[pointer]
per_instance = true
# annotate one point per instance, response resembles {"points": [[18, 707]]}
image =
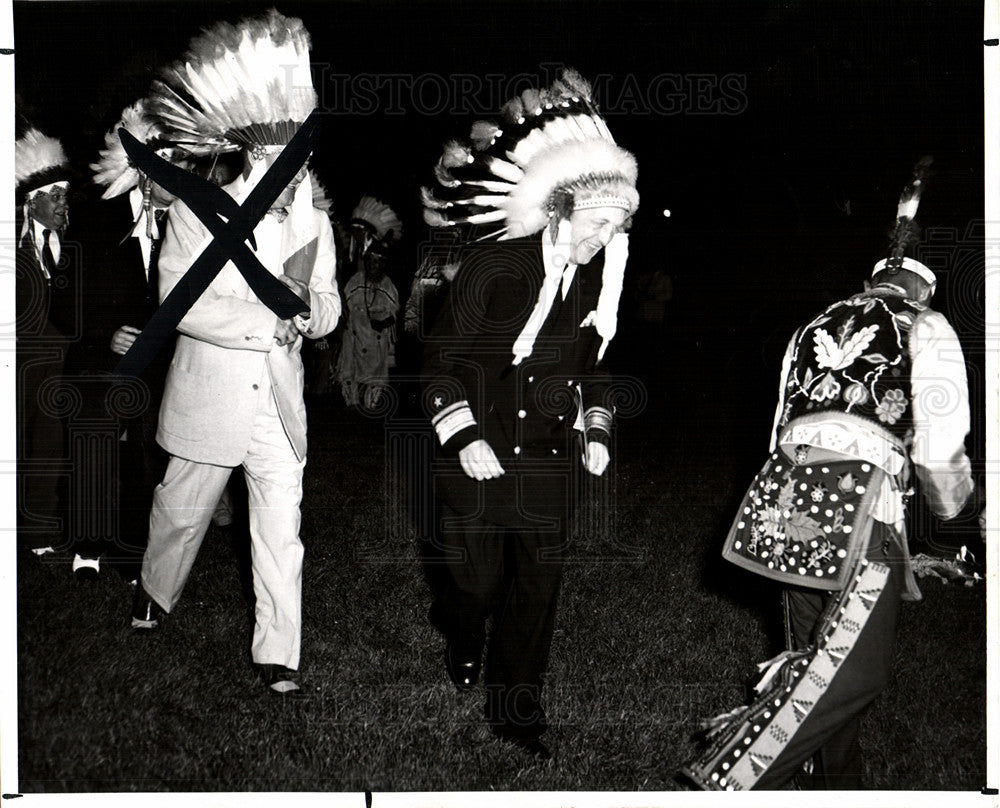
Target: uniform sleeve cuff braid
{"points": [[452, 420]]}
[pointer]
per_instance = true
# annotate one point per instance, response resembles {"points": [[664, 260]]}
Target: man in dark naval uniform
{"points": [[514, 383]]}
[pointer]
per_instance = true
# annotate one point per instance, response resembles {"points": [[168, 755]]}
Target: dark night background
{"points": [[779, 136], [780, 159]]}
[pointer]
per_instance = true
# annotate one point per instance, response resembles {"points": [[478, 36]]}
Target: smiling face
{"points": [[592, 229], [50, 208]]}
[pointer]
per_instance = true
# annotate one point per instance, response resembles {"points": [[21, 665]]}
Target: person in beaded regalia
{"points": [[860, 407]]}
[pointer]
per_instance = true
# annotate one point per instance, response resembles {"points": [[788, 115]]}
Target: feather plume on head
{"points": [[238, 86], [39, 161], [905, 233], [114, 169], [551, 148], [375, 221]]}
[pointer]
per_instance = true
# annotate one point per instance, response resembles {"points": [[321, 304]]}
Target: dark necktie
{"points": [[153, 276], [48, 261]]}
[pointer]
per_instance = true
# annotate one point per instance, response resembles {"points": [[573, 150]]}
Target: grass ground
{"points": [[653, 633]]}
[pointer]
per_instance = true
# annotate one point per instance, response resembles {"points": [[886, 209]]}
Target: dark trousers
{"points": [[41, 448], [512, 574], [829, 735], [143, 466]]}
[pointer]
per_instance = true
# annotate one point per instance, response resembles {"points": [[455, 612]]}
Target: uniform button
{"points": [[555, 451], [569, 383], [531, 378], [521, 414], [255, 387], [517, 450]]}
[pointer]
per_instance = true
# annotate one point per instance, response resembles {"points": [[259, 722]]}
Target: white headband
{"points": [[604, 202], [44, 189], [909, 264]]}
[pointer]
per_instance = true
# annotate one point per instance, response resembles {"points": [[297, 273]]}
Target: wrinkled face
{"points": [[51, 208], [592, 229]]}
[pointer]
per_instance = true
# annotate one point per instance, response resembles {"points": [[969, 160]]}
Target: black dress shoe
{"points": [[86, 569], [145, 611], [281, 681], [463, 667], [530, 744]]}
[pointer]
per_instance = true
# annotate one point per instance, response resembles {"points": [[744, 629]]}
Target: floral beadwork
{"points": [[797, 522], [856, 394], [891, 407]]}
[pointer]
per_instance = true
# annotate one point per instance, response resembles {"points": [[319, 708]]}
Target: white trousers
{"points": [[183, 505]]}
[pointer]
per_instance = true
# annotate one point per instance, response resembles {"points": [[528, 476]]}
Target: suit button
{"points": [[517, 450], [555, 451], [255, 387], [521, 414], [531, 378]]}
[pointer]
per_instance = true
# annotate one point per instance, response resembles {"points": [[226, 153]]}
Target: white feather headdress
{"points": [[377, 217], [553, 153], [39, 160], [114, 169], [320, 198], [238, 86]]}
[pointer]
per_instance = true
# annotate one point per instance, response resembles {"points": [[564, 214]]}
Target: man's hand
{"points": [[597, 458], [285, 332], [123, 338], [296, 286], [479, 461]]}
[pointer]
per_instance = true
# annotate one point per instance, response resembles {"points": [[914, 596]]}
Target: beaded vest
{"points": [[853, 358]]}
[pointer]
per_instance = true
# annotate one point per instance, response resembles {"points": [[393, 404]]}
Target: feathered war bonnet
{"points": [[550, 154], [39, 163], [243, 86], [373, 221], [905, 234], [114, 170]]}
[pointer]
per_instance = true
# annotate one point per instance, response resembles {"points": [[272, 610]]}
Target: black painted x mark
{"points": [[231, 224]]}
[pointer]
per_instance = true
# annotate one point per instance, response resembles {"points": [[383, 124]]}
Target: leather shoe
{"points": [[530, 744], [463, 669], [146, 612], [281, 681], [86, 569]]}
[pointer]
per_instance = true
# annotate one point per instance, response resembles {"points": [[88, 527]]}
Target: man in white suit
{"points": [[234, 396]]}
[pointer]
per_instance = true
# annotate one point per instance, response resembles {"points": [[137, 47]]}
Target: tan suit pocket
{"points": [[182, 413]]}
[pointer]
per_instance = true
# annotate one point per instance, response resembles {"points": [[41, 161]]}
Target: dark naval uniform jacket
{"points": [[526, 412]]}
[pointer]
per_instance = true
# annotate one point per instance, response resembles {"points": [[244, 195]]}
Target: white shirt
{"points": [[559, 274], [139, 230], [38, 231]]}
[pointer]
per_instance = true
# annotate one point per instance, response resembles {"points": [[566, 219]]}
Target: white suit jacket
{"points": [[226, 344]]}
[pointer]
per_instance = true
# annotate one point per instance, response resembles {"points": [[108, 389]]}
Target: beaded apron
{"points": [[805, 525]]}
